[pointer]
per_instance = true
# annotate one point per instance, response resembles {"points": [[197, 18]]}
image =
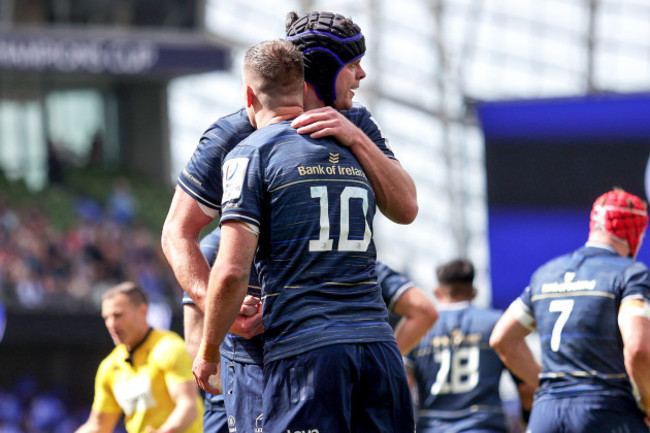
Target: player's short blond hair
{"points": [[275, 72]]}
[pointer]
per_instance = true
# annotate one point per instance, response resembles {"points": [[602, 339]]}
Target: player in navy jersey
{"points": [[456, 372], [197, 198], [404, 298], [592, 311], [244, 358], [304, 209]]}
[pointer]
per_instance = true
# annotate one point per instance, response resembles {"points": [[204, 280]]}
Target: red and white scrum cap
{"points": [[622, 215]]}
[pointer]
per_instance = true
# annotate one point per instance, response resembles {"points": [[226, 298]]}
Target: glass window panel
{"points": [[74, 117]]}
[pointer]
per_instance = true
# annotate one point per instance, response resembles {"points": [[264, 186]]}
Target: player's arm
{"points": [[526, 396], [418, 316], [185, 411], [395, 190], [226, 291], [509, 341], [180, 243], [99, 422], [192, 328], [634, 324]]}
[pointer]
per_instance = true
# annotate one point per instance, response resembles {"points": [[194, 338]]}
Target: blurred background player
{"points": [[404, 298], [331, 362], [197, 199], [456, 373], [592, 311], [148, 375]]}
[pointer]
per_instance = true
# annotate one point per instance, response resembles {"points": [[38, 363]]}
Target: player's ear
{"points": [[305, 89], [250, 97]]}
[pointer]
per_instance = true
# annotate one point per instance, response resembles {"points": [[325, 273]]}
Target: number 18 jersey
{"points": [[314, 207], [458, 373]]}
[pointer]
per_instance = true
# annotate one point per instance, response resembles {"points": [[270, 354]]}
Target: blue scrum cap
{"points": [[328, 42]]}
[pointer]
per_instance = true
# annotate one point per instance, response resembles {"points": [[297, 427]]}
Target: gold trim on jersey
{"points": [[567, 294], [316, 180]]}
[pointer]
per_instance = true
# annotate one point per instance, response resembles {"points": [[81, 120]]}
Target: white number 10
{"points": [[324, 243]]}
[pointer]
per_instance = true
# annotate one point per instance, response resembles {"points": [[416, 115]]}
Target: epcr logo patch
{"points": [[234, 174]]}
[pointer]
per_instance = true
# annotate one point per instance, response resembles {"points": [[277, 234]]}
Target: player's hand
{"points": [[249, 306], [207, 375], [326, 121], [248, 325]]}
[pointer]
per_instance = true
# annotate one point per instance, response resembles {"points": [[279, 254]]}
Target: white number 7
{"points": [[564, 307]]}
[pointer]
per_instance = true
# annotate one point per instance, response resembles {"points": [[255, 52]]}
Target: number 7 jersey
{"points": [[313, 207], [574, 301]]}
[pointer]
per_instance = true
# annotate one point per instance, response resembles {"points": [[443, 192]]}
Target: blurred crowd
{"points": [[44, 267], [26, 407]]}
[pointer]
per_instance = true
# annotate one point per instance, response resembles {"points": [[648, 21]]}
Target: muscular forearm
{"points": [[509, 341], [409, 332], [520, 360], [190, 267], [225, 296], [635, 330], [394, 189], [418, 316], [180, 243], [637, 367]]}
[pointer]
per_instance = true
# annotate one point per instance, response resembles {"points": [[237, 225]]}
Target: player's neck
{"points": [[599, 236], [311, 99], [267, 117]]}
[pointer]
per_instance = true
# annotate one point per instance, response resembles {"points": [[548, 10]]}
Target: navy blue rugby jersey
{"points": [[363, 119], [201, 177], [316, 258], [575, 300], [457, 372], [234, 347], [393, 284]]}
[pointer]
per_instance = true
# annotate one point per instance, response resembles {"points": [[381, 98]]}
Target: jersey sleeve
{"points": [[201, 177], [522, 309], [393, 284], [105, 401], [243, 184], [636, 283], [363, 119]]}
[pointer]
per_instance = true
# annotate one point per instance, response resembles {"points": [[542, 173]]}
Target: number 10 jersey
{"points": [[313, 207]]}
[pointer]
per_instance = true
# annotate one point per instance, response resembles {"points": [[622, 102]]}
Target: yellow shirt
{"points": [[140, 390]]}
